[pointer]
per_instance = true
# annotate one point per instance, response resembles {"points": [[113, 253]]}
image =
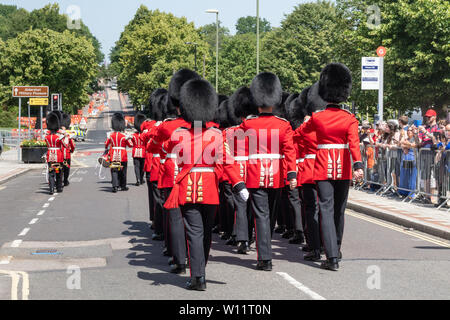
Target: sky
{"points": [[107, 18]]}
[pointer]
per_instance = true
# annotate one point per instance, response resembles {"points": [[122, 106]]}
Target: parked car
{"points": [[77, 133]]}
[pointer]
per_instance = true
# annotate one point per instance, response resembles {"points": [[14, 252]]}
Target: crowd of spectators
{"points": [[408, 156]]}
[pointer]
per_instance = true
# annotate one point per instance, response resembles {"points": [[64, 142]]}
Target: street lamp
{"points": [[195, 53], [217, 45], [257, 36]]}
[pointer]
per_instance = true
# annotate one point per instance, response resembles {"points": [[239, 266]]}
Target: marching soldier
{"points": [[68, 148], [269, 140], [161, 144], [138, 151], [200, 156], [117, 143], [54, 153], [337, 144]]}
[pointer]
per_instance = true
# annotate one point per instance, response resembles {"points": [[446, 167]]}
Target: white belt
{"points": [[243, 158], [162, 161], [332, 146], [270, 156], [171, 156], [202, 169], [119, 148], [301, 160], [310, 156], [156, 155], [54, 149]]}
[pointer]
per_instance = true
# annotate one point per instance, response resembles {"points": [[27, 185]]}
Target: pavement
{"points": [[88, 243], [10, 167]]}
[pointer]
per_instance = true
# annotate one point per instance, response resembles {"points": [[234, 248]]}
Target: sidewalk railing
{"points": [[415, 174]]}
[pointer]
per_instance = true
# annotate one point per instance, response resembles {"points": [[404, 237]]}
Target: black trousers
{"points": [[158, 208], [67, 171], [139, 169], [229, 208], [262, 201], [294, 212], [333, 195], [274, 198], [198, 221], [151, 208], [243, 219], [312, 216], [176, 233], [119, 177], [55, 178]]}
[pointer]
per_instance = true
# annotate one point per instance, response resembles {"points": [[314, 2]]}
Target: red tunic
{"points": [[138, 146], [159, 145], [118, 143], [68, 148], [236, 141], [55, 146], [337, 143], [201, 185], [269, 140], [308, 145], [146, 127]]}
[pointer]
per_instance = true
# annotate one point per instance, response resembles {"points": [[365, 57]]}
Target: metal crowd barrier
{"points": [[414, 174]]}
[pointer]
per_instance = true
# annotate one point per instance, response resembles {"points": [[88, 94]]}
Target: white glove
{"points": [[244, 194]]}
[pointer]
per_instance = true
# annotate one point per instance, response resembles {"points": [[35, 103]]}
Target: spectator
{"points": [[403, 123], [430, 129], [408, 166]]}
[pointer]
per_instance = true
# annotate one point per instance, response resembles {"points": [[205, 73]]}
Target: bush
{"points": [[33, 143]]}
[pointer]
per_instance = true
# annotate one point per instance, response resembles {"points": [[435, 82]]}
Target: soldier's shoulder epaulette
{"points": [[281, 118], [348, 111], [157, 124], [169, 119], [216, 129], [252, 116], [318, 111], [181, 129]]}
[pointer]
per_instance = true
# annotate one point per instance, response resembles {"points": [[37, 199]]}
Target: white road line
{"points": [[40, 213], [24, 232], [46, 205], [7, 260], [51, 199], [16, 243], [300, 286], [33, 221], [2, 188]]}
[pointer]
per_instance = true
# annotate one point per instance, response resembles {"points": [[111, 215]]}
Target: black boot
{"points": [[232, 241], [197, 283], [157, 237], [313, 255], [114, 189], [170, 261], [330, 264], [137, 184], [279, 229], [52, 191], [287, 234], [297, 238], [265, 265], [166, 252], [243, 247], [178, 268]]}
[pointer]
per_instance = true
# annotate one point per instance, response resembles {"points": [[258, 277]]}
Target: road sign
{"points": [[381, 51], [29, 92], [370, 73], [39, 102]]}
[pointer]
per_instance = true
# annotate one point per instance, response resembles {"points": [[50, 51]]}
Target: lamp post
{"points": [[195, 53], [217, 45], [257, 36]]}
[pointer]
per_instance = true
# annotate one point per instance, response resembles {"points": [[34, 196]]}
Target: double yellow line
{"points": [[399, 229], [16, 276]]}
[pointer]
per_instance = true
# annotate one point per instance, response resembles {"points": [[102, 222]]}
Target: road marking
{"points": [[46, 205], [16, 243], [399, 229], [15, 278], [7, 260], [40, 213], [33, 221], [51, 199], [301, 287], [24, 232], [2, 188]]}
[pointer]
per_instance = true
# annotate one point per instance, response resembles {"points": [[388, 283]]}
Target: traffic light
{"points": [[55, 101]]}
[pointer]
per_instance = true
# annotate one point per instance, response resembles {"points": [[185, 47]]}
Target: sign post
{"points": [[381, 52], [27, 92]]}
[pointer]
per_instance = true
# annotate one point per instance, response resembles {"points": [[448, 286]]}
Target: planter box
{"points": [[33, 154]]}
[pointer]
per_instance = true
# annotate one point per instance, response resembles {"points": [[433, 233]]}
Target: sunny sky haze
{"points": [[107, 18]]}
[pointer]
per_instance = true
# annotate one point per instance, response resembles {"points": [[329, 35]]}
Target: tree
{"points": [[64, 62], [151, 48], [303, 45], [209, 34], [248, 25]]}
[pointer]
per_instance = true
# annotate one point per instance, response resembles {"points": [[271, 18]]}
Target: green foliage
{"points": [[64, 62], [153, 47], [248, 25]]}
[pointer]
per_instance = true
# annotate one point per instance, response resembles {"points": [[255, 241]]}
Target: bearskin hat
{"points": [[118, 122], [157, 108], [242, 103], [59, 114], [139, 119], [66, 121], [221, 115], [198, 101], [314, 100], [266, 90], [335, 83], [53, 121], [177, 81], [296, 110], [232, 119]]}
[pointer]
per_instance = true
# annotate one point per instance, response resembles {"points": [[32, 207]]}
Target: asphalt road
{"points": [[87, 243]]}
